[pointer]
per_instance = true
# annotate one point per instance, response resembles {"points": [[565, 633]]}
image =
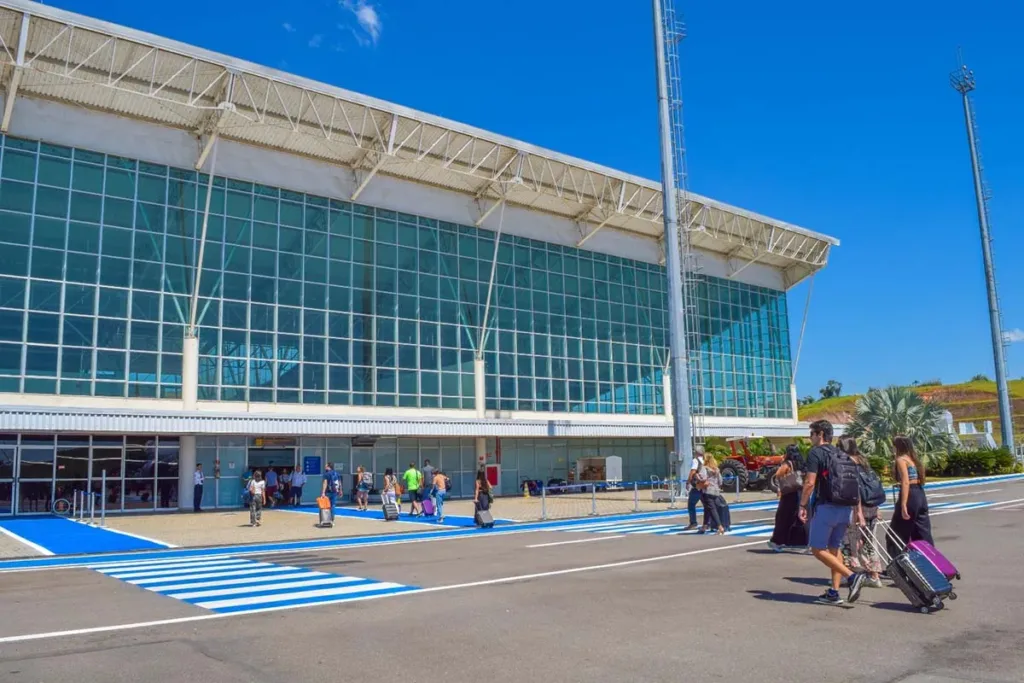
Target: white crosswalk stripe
{"points": [[748, 529], [227, 585]]}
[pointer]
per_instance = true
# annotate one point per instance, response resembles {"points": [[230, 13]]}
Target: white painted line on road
{"points": [[968, 507], [577, 540], [213, 566], [35, 546], [962, 493], [1018, 506], [191, 585], [155, 541], [217, 574], [301, 595], [279, 585], [473, 584]]}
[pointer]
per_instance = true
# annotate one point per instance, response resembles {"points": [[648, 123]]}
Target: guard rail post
{"points": [[74, 503], [636, 497], [737, 489], [92, 506], [593, 499], [543, 502]]}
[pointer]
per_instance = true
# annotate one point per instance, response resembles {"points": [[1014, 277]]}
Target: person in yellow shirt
{"points": [[413, 479]]}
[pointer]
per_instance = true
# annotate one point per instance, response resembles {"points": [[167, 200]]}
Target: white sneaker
{"points": [[873, 583], [774, 547]]}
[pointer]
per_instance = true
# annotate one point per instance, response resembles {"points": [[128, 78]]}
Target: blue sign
{"points": [[311, 465]]}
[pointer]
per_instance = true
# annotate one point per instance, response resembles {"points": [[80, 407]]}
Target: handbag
{"points": [[790, 482]]}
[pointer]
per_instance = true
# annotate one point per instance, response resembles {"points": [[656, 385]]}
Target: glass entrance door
{"points": [[8, 449], [34, 475]]}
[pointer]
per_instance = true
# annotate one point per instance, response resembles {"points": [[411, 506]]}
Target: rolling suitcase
{"points": [[390, 511], [924, 586], [428, 507], [936, 558], [326, 513], [484, 519]]}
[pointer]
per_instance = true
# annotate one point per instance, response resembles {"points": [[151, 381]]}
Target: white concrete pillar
{"points": [[796, 406], [479, 387], [666, 384], [190, 372], [186, 468]]}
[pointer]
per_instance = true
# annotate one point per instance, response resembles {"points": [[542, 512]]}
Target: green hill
{"points": [[969, 402]]}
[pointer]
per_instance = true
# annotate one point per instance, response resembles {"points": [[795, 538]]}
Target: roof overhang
{"points": [[22, 419], [57, 55]]}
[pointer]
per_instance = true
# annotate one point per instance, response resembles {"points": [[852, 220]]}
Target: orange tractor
{"points": [[749, 471]]}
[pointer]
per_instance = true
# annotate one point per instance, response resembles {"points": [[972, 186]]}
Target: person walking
{"points": [[694, 494], [257, 498], [482, 495], [709, 479], [858, 554], [197, 488], [910, 519], [413, 480], [271, 479], [439, 491], [832, 477], [789, 531], [364, 482], [298, 481], [331, 486], [390, 489]]}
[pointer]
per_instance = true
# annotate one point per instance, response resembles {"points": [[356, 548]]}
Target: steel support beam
{"points": [[489, 211], [383, 155], [11, 92], [593, 232]]}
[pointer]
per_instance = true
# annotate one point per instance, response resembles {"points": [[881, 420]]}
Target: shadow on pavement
{"points": [[808, 581], [794, 598], [894, 606]]}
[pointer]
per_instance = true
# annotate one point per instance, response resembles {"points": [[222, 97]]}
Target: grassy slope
{"points": [[970, 401]]}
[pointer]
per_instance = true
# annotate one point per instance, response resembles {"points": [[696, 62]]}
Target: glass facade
{"points": [[35, 470], [306, 299]]}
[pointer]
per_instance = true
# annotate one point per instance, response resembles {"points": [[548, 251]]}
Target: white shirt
{"points": [[197, 478], [257, 488], [286, 478], [298, 479]]}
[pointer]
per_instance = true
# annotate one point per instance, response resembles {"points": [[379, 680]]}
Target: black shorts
{"points": [[415, 496]]}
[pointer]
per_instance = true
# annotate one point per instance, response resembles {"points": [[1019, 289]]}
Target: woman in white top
{"points": [[388, 493], [257, 498]]}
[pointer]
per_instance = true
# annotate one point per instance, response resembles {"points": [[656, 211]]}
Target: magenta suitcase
{"points": [[936, 558], [428, 507]]}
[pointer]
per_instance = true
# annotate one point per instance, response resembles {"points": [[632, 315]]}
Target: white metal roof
{"points": [[174, 422], [58, 55]]}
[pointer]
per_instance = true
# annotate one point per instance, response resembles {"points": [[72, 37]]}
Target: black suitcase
{"points": [[390, 511], [484, 519], [924, 586]]}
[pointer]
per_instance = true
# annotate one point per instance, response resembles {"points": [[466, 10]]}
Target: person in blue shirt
{"points": [[331, 486]]}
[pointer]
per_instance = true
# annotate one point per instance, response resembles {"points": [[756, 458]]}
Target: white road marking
{"points": [[35, 546], [967, 507], [154, 541], [1018, 506], [962, 493], [294, 575], [282, 585], [577, 540], [473, 584]]}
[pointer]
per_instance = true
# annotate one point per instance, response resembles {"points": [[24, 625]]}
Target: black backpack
{"points": [[872, 493], [842, 479]]}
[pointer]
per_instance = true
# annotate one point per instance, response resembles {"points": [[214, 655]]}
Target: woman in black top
{"points": [[789, 530]]}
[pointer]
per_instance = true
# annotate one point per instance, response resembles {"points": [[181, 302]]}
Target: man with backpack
{"points": [[331, 486], [832, 476]]}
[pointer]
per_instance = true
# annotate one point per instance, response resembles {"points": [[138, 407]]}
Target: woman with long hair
{"points": [[482, 495], [910, 520], [858, 554], [709, 480], [789, 530], [388, 492]]}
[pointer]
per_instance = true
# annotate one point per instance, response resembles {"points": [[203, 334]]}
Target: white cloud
{"points": [[368, 17], [316, 41], [288, 27], [1014, 336]]}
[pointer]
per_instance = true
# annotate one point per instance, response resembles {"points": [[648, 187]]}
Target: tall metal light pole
{"points": [[681, 426], [962, 81]]}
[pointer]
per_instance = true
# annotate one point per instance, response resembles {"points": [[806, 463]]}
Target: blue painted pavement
{"points": [[232, 585], [418, 536], [452, 521], [61, 536]]}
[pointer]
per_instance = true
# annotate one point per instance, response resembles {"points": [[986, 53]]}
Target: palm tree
{"points": [[882, 414]]}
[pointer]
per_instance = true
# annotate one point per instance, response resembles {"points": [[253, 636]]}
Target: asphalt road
{"points": [[550, 605]]}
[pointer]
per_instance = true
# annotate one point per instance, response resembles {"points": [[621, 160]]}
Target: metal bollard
{"points": [[636, 497], [103, 499], [92, 507], [74, 503], [81, 508], [543, 502], [593, 499], [737, 489]]}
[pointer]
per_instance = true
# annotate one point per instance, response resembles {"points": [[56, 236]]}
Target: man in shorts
{"points": [[830, 520], [413, 480]]}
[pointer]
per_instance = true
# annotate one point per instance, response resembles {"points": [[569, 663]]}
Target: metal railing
{"points": [[84, 502]]}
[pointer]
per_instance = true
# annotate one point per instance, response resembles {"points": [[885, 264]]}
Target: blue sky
{"points": [[832, 116]]}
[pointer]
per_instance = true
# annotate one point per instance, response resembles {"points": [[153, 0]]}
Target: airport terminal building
{"points": [[203, 260]]}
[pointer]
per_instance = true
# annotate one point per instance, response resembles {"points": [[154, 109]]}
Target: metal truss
{"points": [[52, 54]]}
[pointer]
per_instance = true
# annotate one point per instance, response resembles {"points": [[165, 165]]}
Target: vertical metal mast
{"points": [[673, 261], [963, 82]]}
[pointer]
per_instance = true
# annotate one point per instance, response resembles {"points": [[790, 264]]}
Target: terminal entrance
{"points": [[264, 458]]}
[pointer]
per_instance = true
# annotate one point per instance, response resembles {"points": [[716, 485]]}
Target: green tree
{"points": [[980, 378], [806, 400], [883, 414], [832, 389]]}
